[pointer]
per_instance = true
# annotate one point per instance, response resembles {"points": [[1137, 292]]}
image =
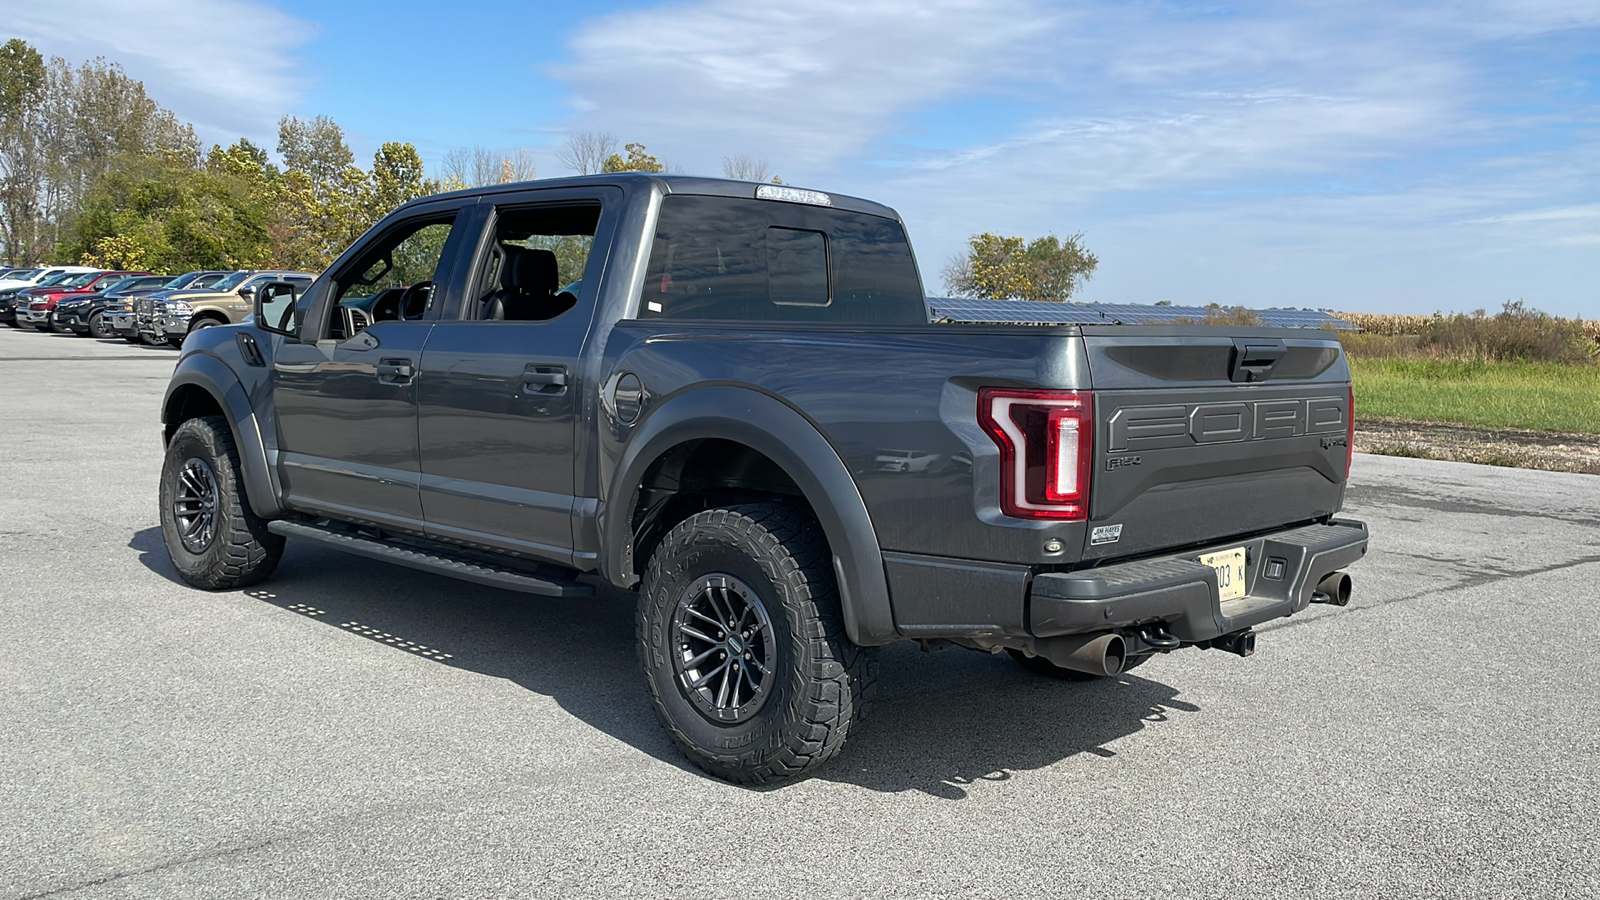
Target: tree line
{"points": [[93, 170]]}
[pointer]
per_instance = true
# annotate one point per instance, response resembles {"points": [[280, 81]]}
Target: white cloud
{"points": [[1309, 150], [812, 84], [225, 65]]}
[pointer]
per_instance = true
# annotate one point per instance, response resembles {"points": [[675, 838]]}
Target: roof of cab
{"points": [[666, 184]]}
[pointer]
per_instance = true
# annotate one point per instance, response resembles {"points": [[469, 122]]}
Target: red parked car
{"points": [[41, 302]]}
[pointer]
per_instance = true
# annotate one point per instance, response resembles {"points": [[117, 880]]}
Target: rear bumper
{"points": [[1182, 593], [949, 598]]}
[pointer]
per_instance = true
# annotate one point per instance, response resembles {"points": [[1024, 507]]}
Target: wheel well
{"points": [[189, 402], [700, 475], [213, 316]]}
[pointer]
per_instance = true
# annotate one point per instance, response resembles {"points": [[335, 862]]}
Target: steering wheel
{"points": [[414, 300]]}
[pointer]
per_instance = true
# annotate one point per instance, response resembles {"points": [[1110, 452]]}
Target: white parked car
{"points": [[18, 279]]}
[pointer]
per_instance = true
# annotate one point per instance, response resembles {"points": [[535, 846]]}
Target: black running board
{"points": [[434, 561]]}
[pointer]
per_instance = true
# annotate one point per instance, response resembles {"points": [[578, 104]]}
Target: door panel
{"points": [[496, 448], [348, 432], [346, 406]]}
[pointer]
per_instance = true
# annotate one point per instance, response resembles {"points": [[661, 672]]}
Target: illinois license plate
{"points": [[1230, 571]]}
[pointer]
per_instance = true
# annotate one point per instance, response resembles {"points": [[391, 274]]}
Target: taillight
{"points": [[1350, 434], [1046, 441]]}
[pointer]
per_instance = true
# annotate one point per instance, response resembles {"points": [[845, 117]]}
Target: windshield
{"points": [[53, 280], [209, 280], [180, 281], [21, 274], [231, 282], [119, 284], [80, 279]]}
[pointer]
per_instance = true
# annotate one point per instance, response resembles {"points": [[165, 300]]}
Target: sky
{"points": [[1349, 155]]}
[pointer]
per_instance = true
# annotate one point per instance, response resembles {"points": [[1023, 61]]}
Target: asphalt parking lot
{"points": [[351, 729]]}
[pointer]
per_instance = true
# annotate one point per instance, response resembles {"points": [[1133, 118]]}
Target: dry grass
{"points": [[1515, 334]]}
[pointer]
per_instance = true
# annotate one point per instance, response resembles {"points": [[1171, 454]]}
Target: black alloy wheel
{"points": [[194, 505], [97, 326], [724, 648]]}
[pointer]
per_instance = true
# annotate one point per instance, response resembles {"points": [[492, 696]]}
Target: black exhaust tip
{"points": [[1333, 588]]}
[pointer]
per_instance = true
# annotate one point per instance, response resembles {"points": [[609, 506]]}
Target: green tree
{"points": [[22, 79], [1010, 268], [637, 160], [167, 214], [316, 147]]}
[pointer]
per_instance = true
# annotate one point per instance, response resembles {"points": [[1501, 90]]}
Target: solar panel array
{"points": [[1024, 312]]}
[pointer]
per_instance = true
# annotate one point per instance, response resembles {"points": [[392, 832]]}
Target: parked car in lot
{"points": [[42, 309], [83, 314], [40, 276], [169, 316], [708, 420], [28, 297], [13, 301], [118, 319], [27, 278]]}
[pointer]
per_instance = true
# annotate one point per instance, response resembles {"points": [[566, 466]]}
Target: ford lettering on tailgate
{"points": [[1161, 427]]}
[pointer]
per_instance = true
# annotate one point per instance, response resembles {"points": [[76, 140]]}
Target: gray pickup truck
{"points": [[728, 397]]}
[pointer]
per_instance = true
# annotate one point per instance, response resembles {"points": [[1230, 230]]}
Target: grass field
{"points": [[1529, 396]]}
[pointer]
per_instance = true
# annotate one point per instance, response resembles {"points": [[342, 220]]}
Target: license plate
{"points": [[1230, 571]]}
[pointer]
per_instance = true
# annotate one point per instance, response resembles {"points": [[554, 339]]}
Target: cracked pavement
{"points": [[353, 729]]}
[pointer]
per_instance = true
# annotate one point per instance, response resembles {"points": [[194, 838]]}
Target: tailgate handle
{"points": [[1254, 360]]}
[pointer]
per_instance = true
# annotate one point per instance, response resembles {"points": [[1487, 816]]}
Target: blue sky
{"points": [[1438, 154]]}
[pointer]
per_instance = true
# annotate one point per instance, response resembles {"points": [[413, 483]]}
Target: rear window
{"points": [[722, 258]]}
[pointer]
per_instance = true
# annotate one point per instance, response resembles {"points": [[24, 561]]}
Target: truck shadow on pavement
{"points": [[945, 722]]}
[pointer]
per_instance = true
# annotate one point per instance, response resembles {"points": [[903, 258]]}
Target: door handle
{"points": [[544, 379], [395, 371]]}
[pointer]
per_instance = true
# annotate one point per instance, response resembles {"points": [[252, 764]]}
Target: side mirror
{"points": [[274, 308], [247, 291]]}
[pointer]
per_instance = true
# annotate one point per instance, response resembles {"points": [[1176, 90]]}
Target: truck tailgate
{"points": [[1204, 434]]}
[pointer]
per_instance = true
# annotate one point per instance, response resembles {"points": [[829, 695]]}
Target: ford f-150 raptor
{"points": [[703, 415]]}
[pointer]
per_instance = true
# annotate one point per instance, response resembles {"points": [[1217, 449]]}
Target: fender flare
{"points": [[777, 431], [213, 376]]}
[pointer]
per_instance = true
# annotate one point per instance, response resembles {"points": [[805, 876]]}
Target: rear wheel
{"points": [[743, 645], [215, 540]]}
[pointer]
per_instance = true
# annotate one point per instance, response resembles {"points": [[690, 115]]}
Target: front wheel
{"points": [[743, 645], [215, 540], [97, 326]]}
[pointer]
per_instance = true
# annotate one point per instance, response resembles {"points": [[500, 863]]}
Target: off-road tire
{"points": [[821, 682], [241, 551], [1045, 667], [97, 327]]}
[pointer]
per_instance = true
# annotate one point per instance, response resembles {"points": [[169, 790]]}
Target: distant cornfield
{"points": [[1517, 333], [1392, 325]]}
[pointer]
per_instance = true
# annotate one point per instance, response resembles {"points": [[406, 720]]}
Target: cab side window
{"points": [[393, 279], [532, 268]]}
